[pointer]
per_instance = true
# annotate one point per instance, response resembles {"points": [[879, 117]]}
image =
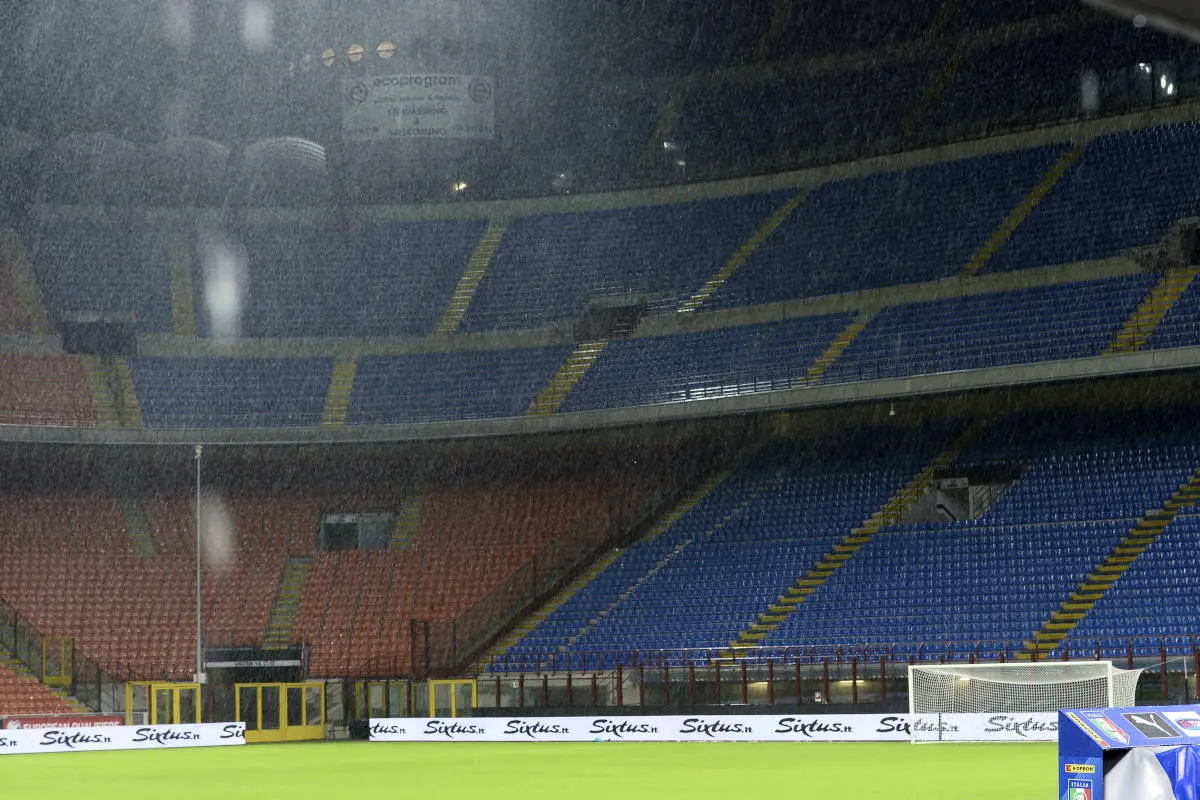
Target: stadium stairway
{"points": [[1019, 214], [183, 306], [552, 395], [12, 253], [100, 390], [287, 602], [22, 693], [1142, 323], [1072, 611], [141, 536], [407, 521], [837, 347], [468, 284], [685, 505], [129, 410], [743, 254], [888, 514], [337, 399]]}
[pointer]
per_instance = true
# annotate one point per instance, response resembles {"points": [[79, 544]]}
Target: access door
{"points": [[281, 712], [154, 703], [456, 698]]}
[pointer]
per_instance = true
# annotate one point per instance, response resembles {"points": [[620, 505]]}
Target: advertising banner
{"points": [[1020, 727], [736, 728], [146, 737], [80, 721], [418, 106]]}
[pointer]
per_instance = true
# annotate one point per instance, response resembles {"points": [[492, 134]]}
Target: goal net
{"points": [[980, 702]]}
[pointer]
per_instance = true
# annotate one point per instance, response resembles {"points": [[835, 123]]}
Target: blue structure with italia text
{"points": [[1139, 753]]}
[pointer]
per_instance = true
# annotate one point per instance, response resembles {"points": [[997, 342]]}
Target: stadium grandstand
{"points": [[657, 357]]}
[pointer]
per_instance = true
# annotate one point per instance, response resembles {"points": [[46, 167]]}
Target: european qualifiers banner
{"points": [[418, 106], [145, 737], [738, 728]]}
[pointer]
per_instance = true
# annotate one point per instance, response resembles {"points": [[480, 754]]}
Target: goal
{"points": [[987, 702]]}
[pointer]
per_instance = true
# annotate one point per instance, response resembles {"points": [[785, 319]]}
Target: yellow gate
{"points": [[156, 703], [281, 712], [58, 654], [456, 698]]}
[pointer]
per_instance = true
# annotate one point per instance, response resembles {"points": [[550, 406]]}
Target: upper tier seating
{"points": [[380, 279], [231, 392], [707, 365], [883, 230], [1126, 191], [1049, 323], [483, 384], [549, 267], [101, 267], [38, 390]]}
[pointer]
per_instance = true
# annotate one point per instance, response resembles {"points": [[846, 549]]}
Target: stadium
{"points": [[807, 379]]}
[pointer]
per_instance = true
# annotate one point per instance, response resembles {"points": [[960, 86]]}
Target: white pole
{"points": [[199, 640]]}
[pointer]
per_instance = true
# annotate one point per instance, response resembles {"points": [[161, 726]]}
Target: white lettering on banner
{"points": [[145, 737], [1015, 727], [418, 106], [723, 728]]}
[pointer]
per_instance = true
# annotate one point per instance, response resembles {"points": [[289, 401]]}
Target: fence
{"points": [[798, 675]]}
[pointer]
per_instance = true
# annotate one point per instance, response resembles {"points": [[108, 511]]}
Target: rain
{"points": [[479, 372]]}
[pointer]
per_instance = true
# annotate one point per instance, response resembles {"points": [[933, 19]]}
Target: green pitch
{"points": [[577, 771]]}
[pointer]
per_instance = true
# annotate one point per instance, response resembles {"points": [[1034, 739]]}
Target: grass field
{"points": [[535, 770]]}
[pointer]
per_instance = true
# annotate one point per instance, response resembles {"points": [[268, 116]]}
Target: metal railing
{"points": [[101, 689]]}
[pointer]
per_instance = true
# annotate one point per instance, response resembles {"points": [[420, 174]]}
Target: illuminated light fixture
{"points": [[1144, 67], [356, 53], [460, 186], [670, 147], [386, 50], [328, 57]]}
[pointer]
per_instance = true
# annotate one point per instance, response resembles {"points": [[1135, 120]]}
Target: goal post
{"points": [[1008, 702]]}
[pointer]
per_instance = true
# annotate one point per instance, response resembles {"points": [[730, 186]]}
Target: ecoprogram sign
{"points": [[696, 728], [144, 737], [418, 106]]}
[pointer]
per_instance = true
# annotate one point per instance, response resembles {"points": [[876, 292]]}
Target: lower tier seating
{"points": [[69, 564], [714, 570], [960, 589], [25, 695]]}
